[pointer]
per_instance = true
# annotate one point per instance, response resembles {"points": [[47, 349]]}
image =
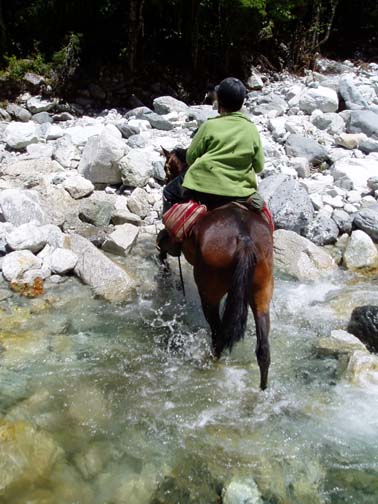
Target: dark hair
{"points": [[180, 154], [231, 94]]}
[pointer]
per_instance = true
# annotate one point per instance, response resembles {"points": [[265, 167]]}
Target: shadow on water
{"points": [[123, 404]]}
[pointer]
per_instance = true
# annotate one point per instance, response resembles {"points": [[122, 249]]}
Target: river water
{"points": [[122, 404]]}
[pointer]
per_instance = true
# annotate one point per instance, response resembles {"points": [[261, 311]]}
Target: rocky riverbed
{"points": [[92, 409]]}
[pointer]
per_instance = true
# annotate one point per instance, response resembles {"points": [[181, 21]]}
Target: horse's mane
{"points": [[180, 153]]}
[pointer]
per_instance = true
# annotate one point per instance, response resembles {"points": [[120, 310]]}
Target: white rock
{"points": [[348, 207], [136, 167], [138, 202], [54, 236], [79, 134], [27, 237], [350, 140], [362, 368], [358, 171], [62, 261], [141, 124], [54, 131], [244, 491], [121, 240], [361, 252], [21, 206], [322, 98], [17, 263], [334, 202], [37, 104], [78, 186], [18, 135], [102, 153], [66, 153], [39, 150]]}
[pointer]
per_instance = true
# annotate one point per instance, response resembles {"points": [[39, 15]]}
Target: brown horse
{"points": [[231, 251]]}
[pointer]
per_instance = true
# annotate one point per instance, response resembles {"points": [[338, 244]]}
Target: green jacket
{"points": [[224, 157]]}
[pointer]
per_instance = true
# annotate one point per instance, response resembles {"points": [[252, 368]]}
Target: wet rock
{"points": [[88, 406], [78, 187], [339, 343], [367, 220], [361, 253], [364, 325], [300, 146], [21, 206], [20, 134], [106, 278], [27, 457], [242, 491], [15, 264], [362, 368], [288, 201], [121, 240], [299, 258], [320, 98], [91, 462], [166, 104], [19, 113], [322, 230], [363, 121], [99, 162]]}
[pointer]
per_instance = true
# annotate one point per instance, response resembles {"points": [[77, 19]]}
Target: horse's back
{"points": [[218, 234]]}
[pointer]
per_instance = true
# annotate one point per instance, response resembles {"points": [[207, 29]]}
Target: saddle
{"points": [[180, 219]]}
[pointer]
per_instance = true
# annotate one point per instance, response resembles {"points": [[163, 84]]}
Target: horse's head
{"points": [[175, 163]]}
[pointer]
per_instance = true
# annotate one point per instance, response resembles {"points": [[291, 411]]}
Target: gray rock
{"points": [[349, 91], [158, 171], [343, 220], [42, 117], [372, 183], [138, 202], [16, 263], [136, 167], [166, 104], [300, 146], [4, 116], [78, 187], [27, 237], [360, 253], [125, 217], [363, 121], [99, 162], [320, 98], [367, 220], [353, 172], [121, 240], [63, 116], [97, 212], [66, 153], [19, 113], [106, 278], [127, 130], [301, 166], [33, 79], [21, 206], [331, 122], [158, 122], [288, 201], [201, 113], [322, 230], [369, 145], [31, 172], [37, 104], [270, 103], [299, 258], [138, 112], [136, 142], [19, 134]]}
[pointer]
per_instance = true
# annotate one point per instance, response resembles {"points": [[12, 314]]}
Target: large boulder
{"points": [[331, 122], [31, 172], [166, 104], [106, 278], [21, 206], [19, 113], [322, 230], [320, 98], [356, 171], [137, 167], [66, 153], [363, 121], [300, 146], [360, 253], [121, 240], [367, 220], [99, 162], [288, 201], [37, 104], [350, 93], [299, 258], [17, 263], [20, 134], [27, 237], [364, 325]]}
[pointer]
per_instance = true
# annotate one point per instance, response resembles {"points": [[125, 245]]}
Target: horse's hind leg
{"points": [[211, 312], [260, 301]]}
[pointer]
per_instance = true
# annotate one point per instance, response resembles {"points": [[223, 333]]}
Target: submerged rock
{"points": [[339, 343], [364, 325], [242, 491], [362, 368]]}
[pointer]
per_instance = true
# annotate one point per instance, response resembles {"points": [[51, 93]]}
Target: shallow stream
{"points": [[122, 404]]}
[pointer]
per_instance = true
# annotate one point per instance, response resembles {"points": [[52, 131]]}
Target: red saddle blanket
{"points": [[180, 219]]}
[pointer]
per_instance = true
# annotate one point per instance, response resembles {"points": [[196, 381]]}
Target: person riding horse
{"points": [[223, 158]]}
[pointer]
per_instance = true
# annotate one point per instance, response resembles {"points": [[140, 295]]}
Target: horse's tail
{"points": [[235, 313]]}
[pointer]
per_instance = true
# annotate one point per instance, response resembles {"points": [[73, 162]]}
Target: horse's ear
{"points": [[165, 152]]}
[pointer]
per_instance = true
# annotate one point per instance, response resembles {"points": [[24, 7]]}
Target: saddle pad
{"points": [[180, 219], [267, 214]]}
